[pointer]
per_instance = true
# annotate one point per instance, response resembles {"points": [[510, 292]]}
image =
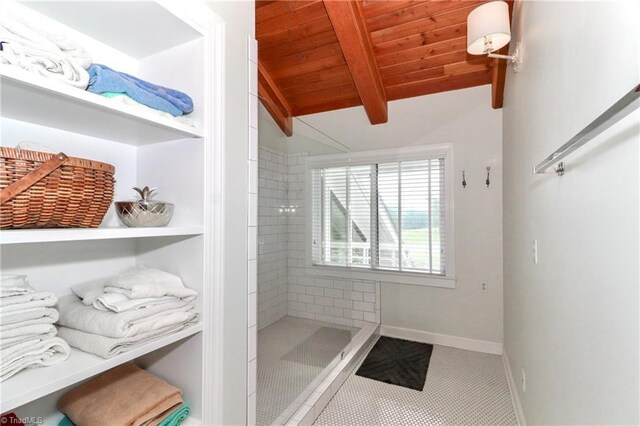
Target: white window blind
{"points": [[385, 216]]}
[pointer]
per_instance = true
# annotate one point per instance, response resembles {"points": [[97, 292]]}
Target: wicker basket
{"points": [[41, 190]]}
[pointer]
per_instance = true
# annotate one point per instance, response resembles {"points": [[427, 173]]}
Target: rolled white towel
{"points": [[32, 353], [74, 314], [14, 285], [145, 283]]}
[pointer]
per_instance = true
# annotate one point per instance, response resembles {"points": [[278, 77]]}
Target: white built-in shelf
{"points": [[29, 97], [118, 23], [31, 384], [27, 236]]}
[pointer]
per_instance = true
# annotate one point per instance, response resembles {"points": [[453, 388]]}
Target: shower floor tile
{"points": [[462, 388], [292, 352]]}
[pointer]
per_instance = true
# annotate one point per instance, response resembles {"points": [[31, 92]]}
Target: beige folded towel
{"points": [[126, 395]]}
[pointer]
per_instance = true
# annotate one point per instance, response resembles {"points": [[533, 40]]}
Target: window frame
{"points": [[381, 156]]}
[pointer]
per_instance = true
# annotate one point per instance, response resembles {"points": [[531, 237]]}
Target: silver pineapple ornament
{"points": [[144, 212]]}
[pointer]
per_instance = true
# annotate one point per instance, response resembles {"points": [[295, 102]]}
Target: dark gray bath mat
{"points": [[397, 362]]}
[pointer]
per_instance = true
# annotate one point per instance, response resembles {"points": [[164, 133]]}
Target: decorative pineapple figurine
{"points": [[145, 195], [144, 212]]}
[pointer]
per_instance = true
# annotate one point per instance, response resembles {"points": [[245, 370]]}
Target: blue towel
{"points": [[104, 79]]}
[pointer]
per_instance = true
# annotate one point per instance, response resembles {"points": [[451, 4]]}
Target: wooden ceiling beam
{"points": [[499, 71], [274, 101], [348, 23]]}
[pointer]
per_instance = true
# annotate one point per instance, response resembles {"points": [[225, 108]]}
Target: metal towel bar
{"points": [[617, 111]]}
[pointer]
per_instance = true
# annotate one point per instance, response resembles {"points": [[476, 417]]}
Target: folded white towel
{"points": [[33, 146], [108, 347], [25, 48], [14, 285], [42, 315], [28, 301], [145, 283], [92, 293], [74, 314], [50, 319], [32, 353], [89, 291], [18, 335], [117, 302]]}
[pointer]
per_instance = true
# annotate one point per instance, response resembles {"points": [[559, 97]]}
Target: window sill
{"points": [[407, 278]]}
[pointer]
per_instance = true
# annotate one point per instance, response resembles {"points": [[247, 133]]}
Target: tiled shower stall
{"points": [[307, 319], [287, 286]]}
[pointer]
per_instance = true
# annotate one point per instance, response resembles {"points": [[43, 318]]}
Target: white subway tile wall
{"points": [[252, 215], [284, 287], [272, 237], [335, 300]]}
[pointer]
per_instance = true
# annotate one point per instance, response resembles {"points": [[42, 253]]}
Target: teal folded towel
{"points": [[177, 416], [66, 421]]}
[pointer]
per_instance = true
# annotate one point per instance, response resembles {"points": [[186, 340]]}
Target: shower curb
{"points": [[361, 344]]}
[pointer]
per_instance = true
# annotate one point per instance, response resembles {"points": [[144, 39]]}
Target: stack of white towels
{"points": [[37, 46], [27, 334], [117, 315]]}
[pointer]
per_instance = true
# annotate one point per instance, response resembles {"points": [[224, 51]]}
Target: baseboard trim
{"points": [[513, 390], [442, 339]]}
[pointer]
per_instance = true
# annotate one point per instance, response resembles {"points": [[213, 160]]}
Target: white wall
{"points": [[571, 321], [465, 119], [239, 20]]}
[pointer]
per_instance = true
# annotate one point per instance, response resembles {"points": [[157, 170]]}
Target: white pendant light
{"points": [[488, 30]]}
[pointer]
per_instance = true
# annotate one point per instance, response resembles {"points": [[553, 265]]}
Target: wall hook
{"points": [[488, 181], [464, 180]]}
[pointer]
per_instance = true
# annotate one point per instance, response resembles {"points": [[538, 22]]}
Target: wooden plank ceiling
{"points": [[317, 56]]}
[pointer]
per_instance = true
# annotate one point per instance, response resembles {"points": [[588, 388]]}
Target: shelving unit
{"points": [[29, 386], [173, 45], [32, 236], [34, 99]]}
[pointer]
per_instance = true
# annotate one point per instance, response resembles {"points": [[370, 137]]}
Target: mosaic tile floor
{"points": [[462, 388], [292, 352]]}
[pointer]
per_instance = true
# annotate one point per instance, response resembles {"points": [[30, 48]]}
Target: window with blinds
{"points": [[383, 216]]}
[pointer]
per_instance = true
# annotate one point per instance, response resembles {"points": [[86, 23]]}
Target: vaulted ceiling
{"points": [[317, 56]]}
